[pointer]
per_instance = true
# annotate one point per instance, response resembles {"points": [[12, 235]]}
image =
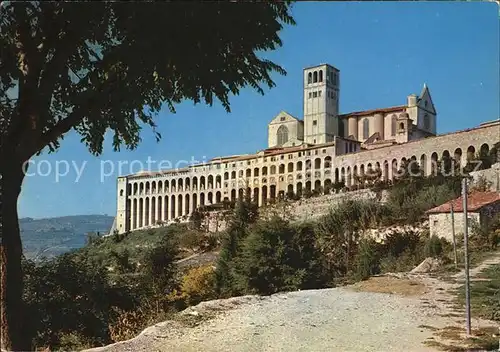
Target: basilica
{"points": [[322, 148]]}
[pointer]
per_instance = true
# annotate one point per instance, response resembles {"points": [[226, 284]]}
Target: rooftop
{"points": [[475, 201], [374, 111]]}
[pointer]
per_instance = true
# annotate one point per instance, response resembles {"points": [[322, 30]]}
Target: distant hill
{"points": [[53, 236]]}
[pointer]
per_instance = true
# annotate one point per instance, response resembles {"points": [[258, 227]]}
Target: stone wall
{"points": [[441, 225], [300, 210], [381, 233], [491, 175]]}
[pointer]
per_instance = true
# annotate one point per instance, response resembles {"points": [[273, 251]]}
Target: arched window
{"points": [[321, 76], [426, 122], [366, 129], [315, 76], [309, 78], [393, 125], [282, 135]]}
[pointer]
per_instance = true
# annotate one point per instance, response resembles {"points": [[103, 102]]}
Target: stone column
{"points": [[143, 211], [132, 214], [261, 195], [190, 203]]}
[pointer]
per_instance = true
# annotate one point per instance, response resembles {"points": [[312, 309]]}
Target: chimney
{"points": [[412, 100]]}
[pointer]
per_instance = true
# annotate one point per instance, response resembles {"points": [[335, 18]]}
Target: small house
{"points": [[481, 207]]}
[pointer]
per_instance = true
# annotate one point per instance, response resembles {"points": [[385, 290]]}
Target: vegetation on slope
{"points": [[116, 286]]}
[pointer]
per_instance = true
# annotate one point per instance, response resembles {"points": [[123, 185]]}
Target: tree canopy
{"points": [[110, 65], [100, 66]]}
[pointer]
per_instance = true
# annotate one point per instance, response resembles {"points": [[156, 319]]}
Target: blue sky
{"points": [[384, 51]]}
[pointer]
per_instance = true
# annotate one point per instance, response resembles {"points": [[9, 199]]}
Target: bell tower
{"points": [[321, 104]]}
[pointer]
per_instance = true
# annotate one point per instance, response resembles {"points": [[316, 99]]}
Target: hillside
{"points": [[53, 236]]}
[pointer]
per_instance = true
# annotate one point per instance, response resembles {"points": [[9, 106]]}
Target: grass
{"points": [[393, 285], [452, 338], [136, 243], [484, 294]]}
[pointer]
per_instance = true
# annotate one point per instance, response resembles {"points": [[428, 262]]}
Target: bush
{"points": [[367, 259], [434, 247], [244, 214], [402, 251], [198, 285], [69, 301], [278, 257]]}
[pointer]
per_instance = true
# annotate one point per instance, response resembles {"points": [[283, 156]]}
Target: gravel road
{"points": [[337, 319]]}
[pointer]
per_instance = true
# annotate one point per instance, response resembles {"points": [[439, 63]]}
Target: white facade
{"points": [[303, 154], [321, 104]]}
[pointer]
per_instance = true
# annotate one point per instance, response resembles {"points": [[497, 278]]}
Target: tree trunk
{"points": [[12, 309]]}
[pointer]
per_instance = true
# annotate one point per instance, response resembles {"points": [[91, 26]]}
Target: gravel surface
{"points": [[339, 319], [316, 320]]}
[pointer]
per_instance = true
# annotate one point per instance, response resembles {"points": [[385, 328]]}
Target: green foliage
{"points": [[159, 267], [367, 259], [68, 300], [123, 264], [434, 247], [487, 235], [244, 214], [197, 285], [485, 294], [278, 257], [402, 251], [196, 219], [339, 231], [109, 47], [410, 197]]}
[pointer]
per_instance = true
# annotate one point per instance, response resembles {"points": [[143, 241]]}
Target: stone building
{"points": [[481, 207], [323, 149]]}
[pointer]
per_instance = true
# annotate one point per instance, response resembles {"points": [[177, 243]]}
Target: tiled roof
{"points": [[374, 111], [475, 201]]}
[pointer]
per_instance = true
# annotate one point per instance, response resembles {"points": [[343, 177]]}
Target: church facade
{"points": [[312, 153]]}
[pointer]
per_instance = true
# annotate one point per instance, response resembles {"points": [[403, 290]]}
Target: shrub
{"points": [[402, 251], [434, 247], [367, 259], [82, 290], [244, 214], [191, 239], [198, 285], [278, 257]]}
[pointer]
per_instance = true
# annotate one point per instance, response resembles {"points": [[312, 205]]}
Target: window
{"points": [[315, 94], [321, 76], [319, 93], [324, 151], [425, 103], [282, 118], [426, 122], [282, 135], [310, 95], [282, 157], [309, 153], [393, 125], [315, 77], [366, 129], [309, 78], [435, 223], [315, 152], [315, 122]]}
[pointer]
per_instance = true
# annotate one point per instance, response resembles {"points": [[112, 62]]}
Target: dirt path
{"points": [[389, 313]]}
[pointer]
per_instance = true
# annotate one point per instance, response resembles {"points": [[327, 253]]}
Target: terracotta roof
{"points": [[374, 111], [475, 201]]}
